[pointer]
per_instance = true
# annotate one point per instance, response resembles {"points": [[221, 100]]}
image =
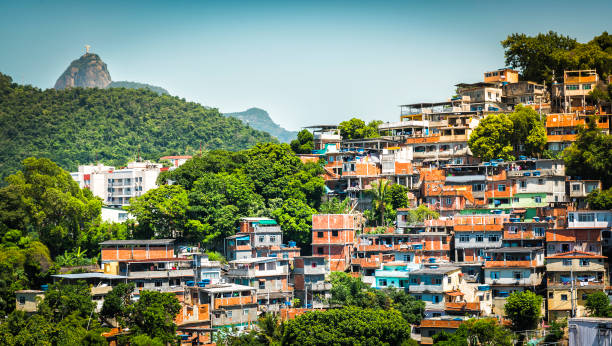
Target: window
{"points": [[319, 234], [565, 247], [551, 295], [314, 264], [158, 283], [437, 281], [479, 238], [570, 217], [523, 184], [464, 238], [494, 275], [382, 282], [320, 250], [572, 87], [493, 238], [272, 239], [585, 262], [575, 187], [513, 229], [540, 181], [140, 284], [516, 275], [538, 231], [537, 199], [418, 297], [449, 280], [262, 239], [564, 297], [501, 187], [586, 217], [449, 201], [229, 314], [245, 312], [584, 296], [586, 86], [262, 284], [22, 300], [334, 233], [567, 262]]}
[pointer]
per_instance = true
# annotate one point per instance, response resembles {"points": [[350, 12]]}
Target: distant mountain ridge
{"points": [[260, 120]]}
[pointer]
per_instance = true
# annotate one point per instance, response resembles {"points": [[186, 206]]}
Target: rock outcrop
{"points": [[88, 71]]}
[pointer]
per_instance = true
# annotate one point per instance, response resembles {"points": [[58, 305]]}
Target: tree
{"points": [[598, 305], [336, 206], [153, 315], [535, 56], [44, 199], [528, 131], [295, 218], [484, 332], [116, 303], [523, 309], [398, 196], [412, 309], [556, 331], [304, 144], [379, 197], [160, 212], [589, 156], [347, 326], [421, 213], [600, 200], [357, 129], [492, 138]]}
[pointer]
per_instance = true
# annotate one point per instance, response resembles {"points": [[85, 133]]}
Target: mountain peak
{"points": [[88, 71]]}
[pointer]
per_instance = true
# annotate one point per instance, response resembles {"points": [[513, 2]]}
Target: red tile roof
{"points": [[448, 324], [575, 254], [463, 306]]}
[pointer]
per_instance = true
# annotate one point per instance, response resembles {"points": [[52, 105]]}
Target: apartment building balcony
{"points": [[537, 173], [511, 264], [423, 288], [318, 270], [158, 274], [254, 272], [589, 285], [233, 301], [435, 306]]}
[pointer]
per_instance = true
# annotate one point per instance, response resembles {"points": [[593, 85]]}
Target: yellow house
{"points": [[571, 277]]}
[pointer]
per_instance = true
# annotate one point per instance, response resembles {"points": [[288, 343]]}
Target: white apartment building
{"points": [[117, 186]]}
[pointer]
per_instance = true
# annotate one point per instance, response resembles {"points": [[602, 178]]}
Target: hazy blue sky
{"points": [[304, 62]]}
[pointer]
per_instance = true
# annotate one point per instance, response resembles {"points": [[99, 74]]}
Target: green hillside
{"points": [[76, 126], [260, 120]]}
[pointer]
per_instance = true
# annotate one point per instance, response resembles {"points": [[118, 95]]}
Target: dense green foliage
{"points": [[350, 291], [523, 309], [357, 129], [538, 56], [589, 156], [556, 331], [336, 206], [484, 332], [136, 85], [600, 200], [222, 186], [153, 315], [260, 120], [116, 303], [80, 126], [501, 136], [42, 199], [304, 143], [66, 316], [347, 326], [598, 305]]}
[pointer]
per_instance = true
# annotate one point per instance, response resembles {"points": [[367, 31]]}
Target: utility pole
{"points": [[572, 288]]}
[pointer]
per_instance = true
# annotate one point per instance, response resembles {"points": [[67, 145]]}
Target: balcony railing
{"points": [[420, 288], [232, 301]]}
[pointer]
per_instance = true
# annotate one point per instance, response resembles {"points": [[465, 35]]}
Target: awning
{"points": [[243, 238], [267, 222]]}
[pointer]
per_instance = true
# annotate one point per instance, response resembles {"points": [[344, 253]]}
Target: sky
{"points": [[305, 62]]}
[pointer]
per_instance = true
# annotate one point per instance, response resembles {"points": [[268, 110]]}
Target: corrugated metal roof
{"points": [[139, 242]]}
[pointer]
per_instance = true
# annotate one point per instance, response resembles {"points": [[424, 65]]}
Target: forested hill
{"points": [[76, 126], [260, 120], [136, 85]]}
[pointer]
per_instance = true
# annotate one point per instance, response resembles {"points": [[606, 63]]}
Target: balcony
{"points": [[511, 264], [160, 274], [318, 270], [233, 301], [537, 173], [254, 272], [422, 288], [591, 285]]}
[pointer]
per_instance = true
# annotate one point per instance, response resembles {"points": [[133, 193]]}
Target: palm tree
{"points": [[379, 196]]}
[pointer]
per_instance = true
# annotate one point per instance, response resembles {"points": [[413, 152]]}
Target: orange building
{"points": [[115, 250], [333, 237], [501, 75]]}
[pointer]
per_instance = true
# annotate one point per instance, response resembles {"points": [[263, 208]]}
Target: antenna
{"points": [[87, 48]]}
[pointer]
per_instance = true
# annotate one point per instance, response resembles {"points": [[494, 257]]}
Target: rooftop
{"points": [[513, 249], [88, 276], [254, 260], [447, 324], [139, 242], [221, 288]]}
